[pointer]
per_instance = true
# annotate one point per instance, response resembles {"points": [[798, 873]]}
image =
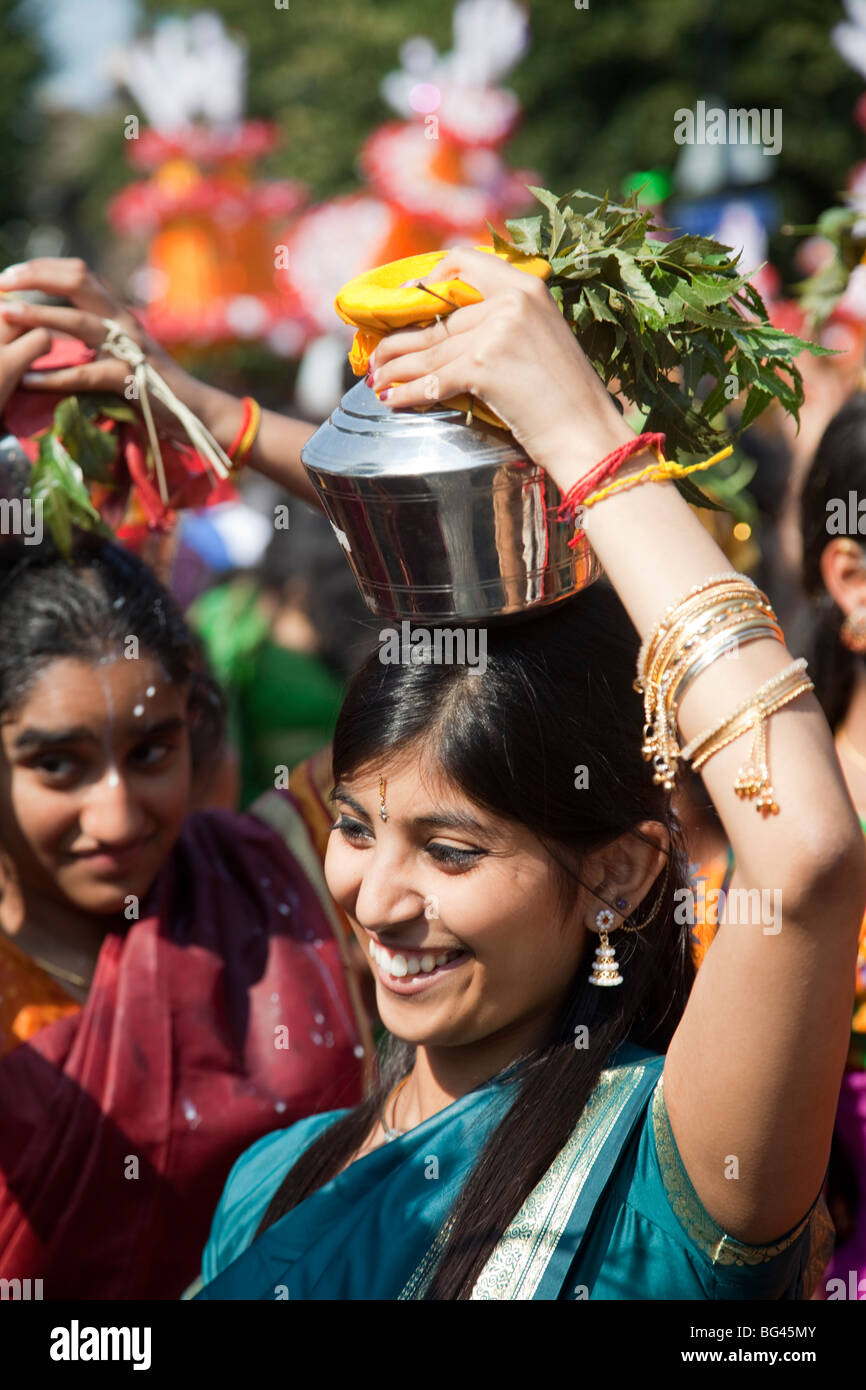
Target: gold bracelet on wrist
{"points": [[746, 723], [718, 615], [665, 622], [661, 738], [750, 630], [769, 687], [687, 618], [711, 619], [753, 778], [660, 698], [694, 632]]}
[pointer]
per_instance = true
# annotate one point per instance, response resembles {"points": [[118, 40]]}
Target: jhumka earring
{"points": [[852, 633], [382, 812], [605, 967]]}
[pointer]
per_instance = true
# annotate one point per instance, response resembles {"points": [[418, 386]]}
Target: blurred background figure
{"points": [[834, 575], [283, 641]]}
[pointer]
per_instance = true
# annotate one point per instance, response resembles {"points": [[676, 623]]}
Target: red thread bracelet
{"points": [[608, 466]]}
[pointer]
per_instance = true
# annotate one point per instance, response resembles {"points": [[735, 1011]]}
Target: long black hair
{"points": [[556, 696], [89, 606], [839, 467]]}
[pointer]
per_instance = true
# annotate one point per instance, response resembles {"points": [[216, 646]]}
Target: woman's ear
{"points": [[627, 867], [843, 570]]}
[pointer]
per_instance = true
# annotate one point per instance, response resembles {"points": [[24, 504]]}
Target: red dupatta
{"points": [[119, 1124]]}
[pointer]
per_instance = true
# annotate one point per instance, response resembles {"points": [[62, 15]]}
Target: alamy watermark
{"points": [[20, 1289], [441, 646], [854, 1289], [736, 126], [741, 906], [846, 517], [76, 1343], [21, 517]]}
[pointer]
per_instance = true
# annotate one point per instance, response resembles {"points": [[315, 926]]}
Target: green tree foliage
{"points": [[22, 62], [315, 68], [599, 88], [599, 85]]}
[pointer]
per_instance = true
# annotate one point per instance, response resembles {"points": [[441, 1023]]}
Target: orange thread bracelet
{"points": [[249, 428]]}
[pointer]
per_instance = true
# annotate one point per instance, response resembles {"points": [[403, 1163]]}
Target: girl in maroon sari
{"points": [[172, 986]]}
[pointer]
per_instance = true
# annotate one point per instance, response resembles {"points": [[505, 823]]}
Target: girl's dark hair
{"points": [[556, 694], [839, 466], [87, 607]]}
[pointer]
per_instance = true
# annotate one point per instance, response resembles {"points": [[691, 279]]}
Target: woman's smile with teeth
{"points": [[402, 962]]}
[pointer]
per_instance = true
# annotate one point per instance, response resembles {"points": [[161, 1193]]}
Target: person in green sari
{"points": [[532, 1135]]}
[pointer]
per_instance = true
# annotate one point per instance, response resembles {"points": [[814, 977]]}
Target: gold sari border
{"points": [[699, 1226], [517, 1263]]}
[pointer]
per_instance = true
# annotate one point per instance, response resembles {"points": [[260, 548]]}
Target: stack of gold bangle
{"points": [[718, 616]]}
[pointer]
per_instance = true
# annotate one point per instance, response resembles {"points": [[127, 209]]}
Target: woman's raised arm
{"points": [[752, 1074], [277, 447]]}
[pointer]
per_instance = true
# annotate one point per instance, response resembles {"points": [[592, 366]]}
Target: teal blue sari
{"points": [[615, 1216]]}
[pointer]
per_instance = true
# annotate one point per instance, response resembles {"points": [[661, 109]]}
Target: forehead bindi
{"points": [[408, 800]]}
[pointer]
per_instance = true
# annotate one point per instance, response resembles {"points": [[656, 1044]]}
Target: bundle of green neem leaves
{"points": [[672, 322]]}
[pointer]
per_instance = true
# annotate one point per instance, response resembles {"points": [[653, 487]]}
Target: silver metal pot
{"points": [[439, 519]]}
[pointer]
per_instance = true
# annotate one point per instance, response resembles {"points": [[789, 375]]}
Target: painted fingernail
{"points": [[369, 378], [12, 310], [11, 272], [383, 395]]}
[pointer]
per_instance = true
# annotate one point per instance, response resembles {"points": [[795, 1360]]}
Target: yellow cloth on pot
{"points": [[380, 300]]}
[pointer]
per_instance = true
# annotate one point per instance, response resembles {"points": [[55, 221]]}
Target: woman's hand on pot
{"points": [[515, 352], [92, 302]]}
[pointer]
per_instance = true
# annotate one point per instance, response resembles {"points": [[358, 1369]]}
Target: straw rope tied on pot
{"points": [[444, 517]]}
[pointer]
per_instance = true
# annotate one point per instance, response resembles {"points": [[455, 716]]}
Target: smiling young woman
{"points": [[533, 1136]]}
